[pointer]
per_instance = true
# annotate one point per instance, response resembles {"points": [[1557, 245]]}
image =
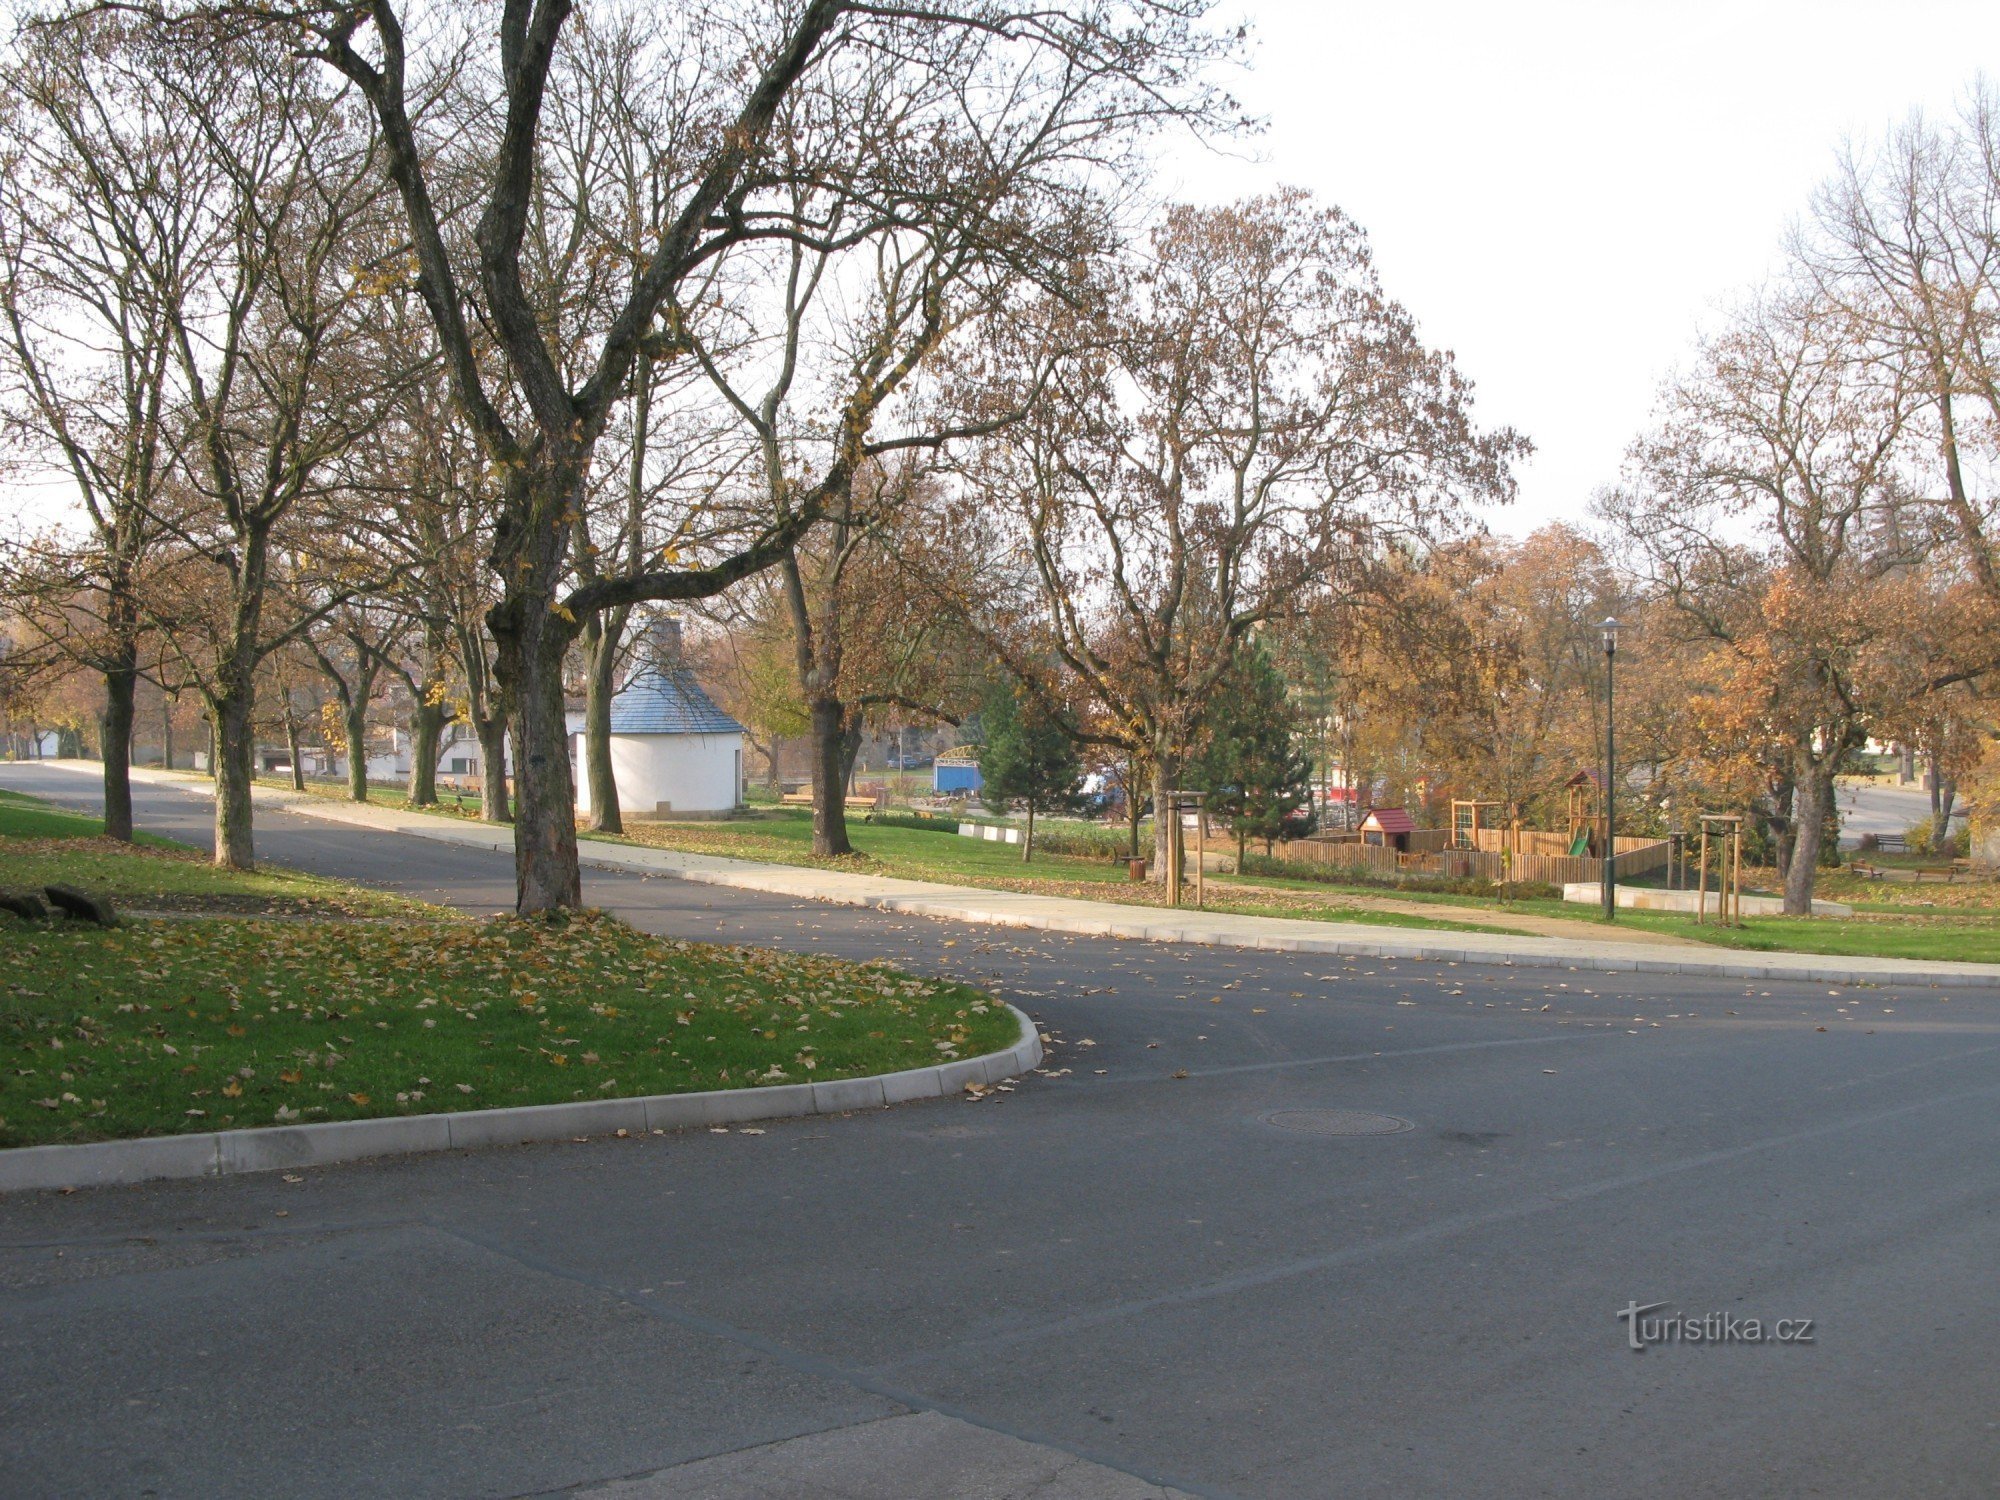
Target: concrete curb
{"points": [[226, 1152], [1148, 924]]}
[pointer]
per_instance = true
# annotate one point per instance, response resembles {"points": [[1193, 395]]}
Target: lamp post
{"points": [[1609, 883]]}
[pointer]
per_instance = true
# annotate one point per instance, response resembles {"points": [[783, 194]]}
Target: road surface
{"points": [[1113, 1279]]}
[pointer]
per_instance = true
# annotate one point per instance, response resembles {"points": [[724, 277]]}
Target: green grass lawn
{"points": [[784, 836], [396, 794], [1888, 930], [1958, 922], [1963, 937], [45, 845], [362, 1005]]}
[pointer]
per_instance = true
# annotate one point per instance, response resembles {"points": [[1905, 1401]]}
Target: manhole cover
{"points": [[1335, 1122]]}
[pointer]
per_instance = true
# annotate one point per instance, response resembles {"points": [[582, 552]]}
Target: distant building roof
{"points": [[1389, 820], [667, 701]]}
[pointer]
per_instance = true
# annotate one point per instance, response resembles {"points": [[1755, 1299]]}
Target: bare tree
{"points": [[728, 72], [98, 171], [1906, 239], [356, 646], [1249, 421], [273, 382], [1752, 508]]}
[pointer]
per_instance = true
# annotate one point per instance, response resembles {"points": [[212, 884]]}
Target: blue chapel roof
{"points": [[669, 701]]}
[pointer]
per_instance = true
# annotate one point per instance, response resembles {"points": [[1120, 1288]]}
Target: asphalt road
{"points": [[1111, 1261]]}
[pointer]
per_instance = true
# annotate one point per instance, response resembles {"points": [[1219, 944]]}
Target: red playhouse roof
{"points": [[1390, 820], [1590, 776]]}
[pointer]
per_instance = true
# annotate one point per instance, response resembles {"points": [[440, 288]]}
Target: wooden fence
{"points": [[1635, 857]]}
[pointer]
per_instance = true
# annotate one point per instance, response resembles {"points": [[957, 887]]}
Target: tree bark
{"points": [[292, 744], [529, 667], [120, 685], [494, 806], [600, 656], [426, 734], [1812, 794], [235, 749], [850, 752], [829, 778], [1028, 839], [1166, 823], [1133, 813], [167, 733], [355, 716]]}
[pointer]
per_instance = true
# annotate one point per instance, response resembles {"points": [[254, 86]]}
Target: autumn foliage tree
{"points": [[1752, 510], [1244, 423]]}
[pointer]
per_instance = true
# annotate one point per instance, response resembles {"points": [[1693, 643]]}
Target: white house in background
{"points": [[673, 752]]}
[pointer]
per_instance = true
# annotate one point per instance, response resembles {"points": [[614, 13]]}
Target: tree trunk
{"points": [[167, 733], [235, 749], [547, 876], [1812, 794], [120, 683], [850, 751], [1944, 792], [426, 734], [773, 780], [1028, 840], [356, 717], [1166, 822], [1134, 808], [493, 803], [600, 655], [292, 744], [829, 778]]}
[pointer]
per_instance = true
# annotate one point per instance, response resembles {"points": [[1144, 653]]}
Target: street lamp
{"points": [[1609, 882]]}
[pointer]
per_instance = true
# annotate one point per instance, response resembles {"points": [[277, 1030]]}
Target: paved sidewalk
{"points": [[1150, 924]]}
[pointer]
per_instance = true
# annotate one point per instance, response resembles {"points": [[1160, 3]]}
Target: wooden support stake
{"points": [[1701, 880]]}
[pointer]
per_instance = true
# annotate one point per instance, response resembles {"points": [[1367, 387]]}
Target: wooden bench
{"points": [[1892, 843], [1910, 875], [805, 799]]}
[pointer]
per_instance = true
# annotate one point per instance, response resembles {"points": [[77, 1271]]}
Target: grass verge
{"points": [[162, 1027], [45, 845], [785, 837]]}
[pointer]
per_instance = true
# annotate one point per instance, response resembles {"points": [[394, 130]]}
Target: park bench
{"points": [[805, 799], [1892, 843], [1916, 875]]}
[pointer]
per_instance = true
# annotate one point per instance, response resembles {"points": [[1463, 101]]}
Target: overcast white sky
{"points": [[1563, 192]]}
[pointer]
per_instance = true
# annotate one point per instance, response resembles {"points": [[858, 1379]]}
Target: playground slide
{"points": [[1580, 845]]}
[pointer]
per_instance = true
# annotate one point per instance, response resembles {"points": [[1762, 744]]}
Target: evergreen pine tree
{"points": [[1026, 758], [1253, 763]]}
